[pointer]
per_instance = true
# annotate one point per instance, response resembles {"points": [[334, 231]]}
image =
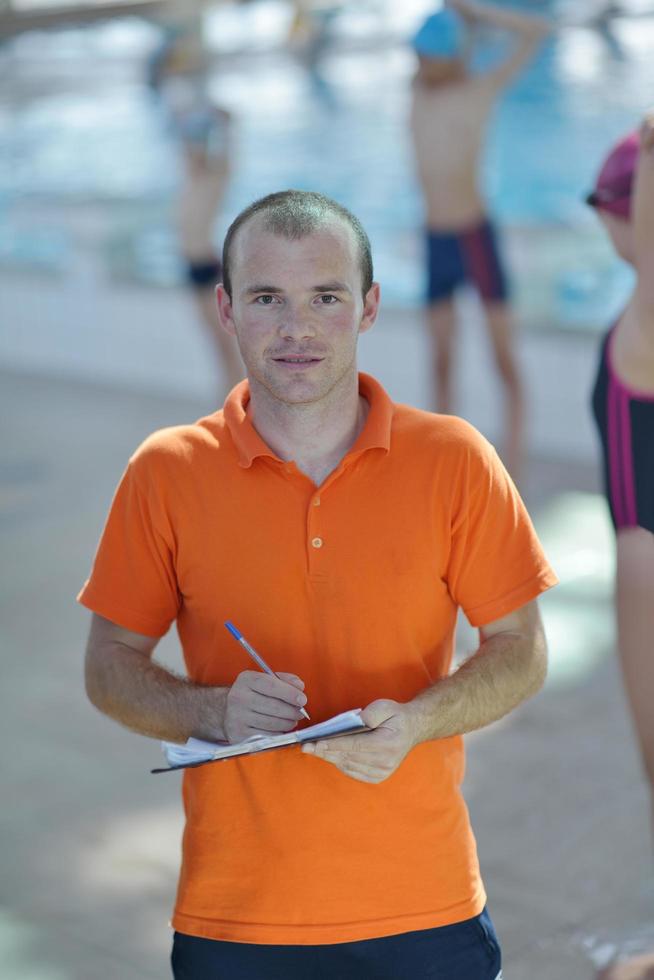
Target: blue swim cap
{"points": [[441, 36]]}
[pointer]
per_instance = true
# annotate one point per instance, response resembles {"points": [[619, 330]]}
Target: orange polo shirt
{"points": [[354, 586]]}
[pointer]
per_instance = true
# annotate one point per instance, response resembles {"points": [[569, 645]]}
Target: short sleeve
{"points": [[496, 561], [133, 581]]}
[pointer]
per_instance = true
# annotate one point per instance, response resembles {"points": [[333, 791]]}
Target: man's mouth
{"points": [[297, 359]]}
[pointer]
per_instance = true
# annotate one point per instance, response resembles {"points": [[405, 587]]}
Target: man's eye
{"points": [[327, 299], [266, 299]]}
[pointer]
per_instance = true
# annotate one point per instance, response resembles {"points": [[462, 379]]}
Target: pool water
{"points": [[78, 122]]}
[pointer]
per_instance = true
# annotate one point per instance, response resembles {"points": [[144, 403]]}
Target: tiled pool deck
{"points": [[90, 843]]}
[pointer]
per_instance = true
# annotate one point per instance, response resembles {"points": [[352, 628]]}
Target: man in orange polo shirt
{"points": [[342, 533]]}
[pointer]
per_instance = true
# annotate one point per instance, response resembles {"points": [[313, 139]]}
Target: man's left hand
{"points": [[370, 756]]}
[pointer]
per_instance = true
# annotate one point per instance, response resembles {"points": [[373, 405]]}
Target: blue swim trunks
{"points": [[467, 256]]}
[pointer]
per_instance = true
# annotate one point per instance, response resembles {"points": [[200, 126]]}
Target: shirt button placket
{"points": [[316, 540]]}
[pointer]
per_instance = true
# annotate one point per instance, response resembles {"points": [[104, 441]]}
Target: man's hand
{"points": [[371, 756], [538, 28], [527, 24], [470, 10], [463, 7], [260, 704]]}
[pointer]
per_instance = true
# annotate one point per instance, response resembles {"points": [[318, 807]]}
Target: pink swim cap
{"points": [[615, 180]]}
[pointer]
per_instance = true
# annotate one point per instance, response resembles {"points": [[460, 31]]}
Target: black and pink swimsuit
{"points": [[625, 419]]}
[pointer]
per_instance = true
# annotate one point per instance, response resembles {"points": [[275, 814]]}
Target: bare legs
{"points": [[198, 205], [635, 612], [500, 326], [442, 327]]}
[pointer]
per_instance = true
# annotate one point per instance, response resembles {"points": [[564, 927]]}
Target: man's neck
{"points": [[315, 436]]}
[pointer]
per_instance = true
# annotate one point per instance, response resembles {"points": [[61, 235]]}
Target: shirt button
{"points": [[316, 502], [316, 542]]}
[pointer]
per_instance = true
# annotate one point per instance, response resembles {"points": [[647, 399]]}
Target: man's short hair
{"points": [[295, 214]]}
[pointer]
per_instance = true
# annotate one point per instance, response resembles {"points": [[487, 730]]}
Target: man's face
{"points": [[297, 309]]}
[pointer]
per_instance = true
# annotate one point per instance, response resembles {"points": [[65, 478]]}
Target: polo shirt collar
{"points": [[376, 433]]}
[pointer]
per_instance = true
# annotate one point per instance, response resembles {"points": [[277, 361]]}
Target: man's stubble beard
{"points": [[281, 393]]}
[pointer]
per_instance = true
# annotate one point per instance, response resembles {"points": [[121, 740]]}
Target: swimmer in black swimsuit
{"points": [[623, 404], [178, 73], [625, 420]]}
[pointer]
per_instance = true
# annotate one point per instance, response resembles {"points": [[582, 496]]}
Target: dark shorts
{"points": [[470, 256], [204, 275], [625, 421], [465, 951]]}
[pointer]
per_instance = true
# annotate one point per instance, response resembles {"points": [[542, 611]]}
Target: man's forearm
{"points": [[508, 20], [140, 694], [507, 669]]}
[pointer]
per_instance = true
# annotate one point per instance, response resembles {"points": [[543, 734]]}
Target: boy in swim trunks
{"points": [[623, 405], [449, 113]]}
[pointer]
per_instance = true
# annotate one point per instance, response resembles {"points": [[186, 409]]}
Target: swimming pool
{"points": [[342, 131]]}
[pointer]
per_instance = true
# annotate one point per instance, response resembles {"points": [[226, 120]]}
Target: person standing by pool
{"points": [[449, 113], [203, 131], [623, 406]]}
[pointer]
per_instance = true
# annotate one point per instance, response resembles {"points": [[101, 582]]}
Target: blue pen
{"points": [[255, 656]]}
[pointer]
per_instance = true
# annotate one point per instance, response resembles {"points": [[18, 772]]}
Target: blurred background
{"points": [[101, 342]]}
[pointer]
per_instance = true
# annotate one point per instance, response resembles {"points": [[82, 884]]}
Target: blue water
{"points": [[78, 122]]}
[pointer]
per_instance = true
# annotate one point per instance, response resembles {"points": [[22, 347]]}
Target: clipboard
{"points": [[196, 752]]}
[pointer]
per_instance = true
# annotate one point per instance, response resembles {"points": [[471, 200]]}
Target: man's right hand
{"points": [[464, 8], [527, 24], [261, 704]]}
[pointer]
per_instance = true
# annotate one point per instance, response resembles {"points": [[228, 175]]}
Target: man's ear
{"points": [[224, 307], [370, 308]]}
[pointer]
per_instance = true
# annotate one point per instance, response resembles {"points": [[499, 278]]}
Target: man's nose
{"points": [[296, 324]]}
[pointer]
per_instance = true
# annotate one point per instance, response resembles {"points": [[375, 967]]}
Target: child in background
{"points": [[450, 110], [178, 73], [623, 405]]}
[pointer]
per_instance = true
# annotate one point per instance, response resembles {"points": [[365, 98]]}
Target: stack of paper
{"points": [[196, 752]]}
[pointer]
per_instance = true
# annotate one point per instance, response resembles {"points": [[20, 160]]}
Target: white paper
{"points": [[196, 751]]}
